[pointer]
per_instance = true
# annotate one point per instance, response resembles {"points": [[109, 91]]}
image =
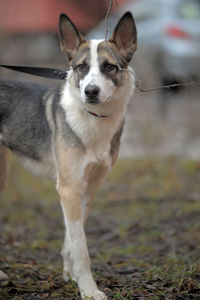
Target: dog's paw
{"points": [[67, 270], [68, 275], [97, 295]]}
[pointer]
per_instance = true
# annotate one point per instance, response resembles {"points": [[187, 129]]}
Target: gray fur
{"points": [[67, 133], [115, 142], [24, 125], [81, 58], [33, 124]]}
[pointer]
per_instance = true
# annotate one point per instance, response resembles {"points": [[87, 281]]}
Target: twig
{"points": [[106, 18], [106, 38], [139, 89]]}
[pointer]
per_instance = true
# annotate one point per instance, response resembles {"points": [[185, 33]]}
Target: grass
{"points": [[143, 233]]}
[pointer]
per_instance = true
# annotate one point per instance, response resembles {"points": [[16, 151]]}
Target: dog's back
{"points": [[24, 127], [22, 117]]}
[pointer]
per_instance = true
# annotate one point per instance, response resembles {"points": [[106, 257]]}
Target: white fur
{"points": [[79, 265], [94, 76], [45, 169], [96, 134]]}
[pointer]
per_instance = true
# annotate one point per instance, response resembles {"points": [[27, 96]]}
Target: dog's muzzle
{"points": [[92, 93]]}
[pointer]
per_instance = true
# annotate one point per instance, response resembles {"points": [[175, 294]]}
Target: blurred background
{"points": [[160, 122], [145, 220]]}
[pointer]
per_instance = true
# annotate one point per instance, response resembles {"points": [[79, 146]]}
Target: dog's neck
{"points": [[96, 115], [96, 132], [113, 109]]}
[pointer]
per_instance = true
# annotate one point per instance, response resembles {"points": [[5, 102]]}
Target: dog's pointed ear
{"points": [[125, 36], [70, 37]]}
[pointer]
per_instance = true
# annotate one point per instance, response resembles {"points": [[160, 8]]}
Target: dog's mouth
{"points": [[93, 101], [96, 101]]}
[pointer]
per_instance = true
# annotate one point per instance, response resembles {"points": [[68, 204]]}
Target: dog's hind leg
{"points": [[3, 167]]}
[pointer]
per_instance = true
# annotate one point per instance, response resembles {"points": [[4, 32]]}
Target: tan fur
{"points": [[84, 143], [107, 49], [115, 155], [94, 174], [3, 167], [68, 186], [71, 201], [71, 189]]}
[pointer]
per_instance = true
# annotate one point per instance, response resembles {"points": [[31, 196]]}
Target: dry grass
{"points": [[143, 234]]}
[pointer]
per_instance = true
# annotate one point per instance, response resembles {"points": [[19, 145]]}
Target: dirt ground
{"points": [[143, 233]]}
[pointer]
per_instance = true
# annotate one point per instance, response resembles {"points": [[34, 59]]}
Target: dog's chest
{"points": [[96, 135]]}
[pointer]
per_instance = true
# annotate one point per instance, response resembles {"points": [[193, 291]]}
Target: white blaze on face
{"points": [[95, 77]]}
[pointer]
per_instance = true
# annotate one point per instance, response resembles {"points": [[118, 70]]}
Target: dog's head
{"points": [[98, 65]]}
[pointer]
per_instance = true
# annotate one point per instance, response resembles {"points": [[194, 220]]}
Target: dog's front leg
{"points": [[71, 192], [80, 261], [67, 261], [94, 175]]}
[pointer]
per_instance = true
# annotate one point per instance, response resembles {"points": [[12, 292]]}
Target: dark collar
{"points": [[98, 116]]}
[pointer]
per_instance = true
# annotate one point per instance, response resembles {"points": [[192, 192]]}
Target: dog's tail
{"points": [[3, 167]]}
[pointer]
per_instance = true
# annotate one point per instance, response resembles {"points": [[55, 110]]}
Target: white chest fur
{"points": [[95, 133]]}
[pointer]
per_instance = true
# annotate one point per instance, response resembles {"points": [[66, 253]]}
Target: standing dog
{"points": [[72, 134]]}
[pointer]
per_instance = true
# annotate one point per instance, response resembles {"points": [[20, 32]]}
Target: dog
{"points": [[72, 133]]}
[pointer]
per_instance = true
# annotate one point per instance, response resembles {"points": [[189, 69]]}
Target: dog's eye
{"points": [[81, 67], [110, 67]]}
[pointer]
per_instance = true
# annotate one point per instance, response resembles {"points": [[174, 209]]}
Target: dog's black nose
{"points": [[92, 91]]}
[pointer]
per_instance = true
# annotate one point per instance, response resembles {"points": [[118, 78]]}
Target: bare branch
{"points": [[106, 37], [139, 89], [106, 19]]}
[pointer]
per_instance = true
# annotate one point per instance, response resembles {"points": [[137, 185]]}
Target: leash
{"points": [[97, 116], [42, 72], [47, 73]]}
